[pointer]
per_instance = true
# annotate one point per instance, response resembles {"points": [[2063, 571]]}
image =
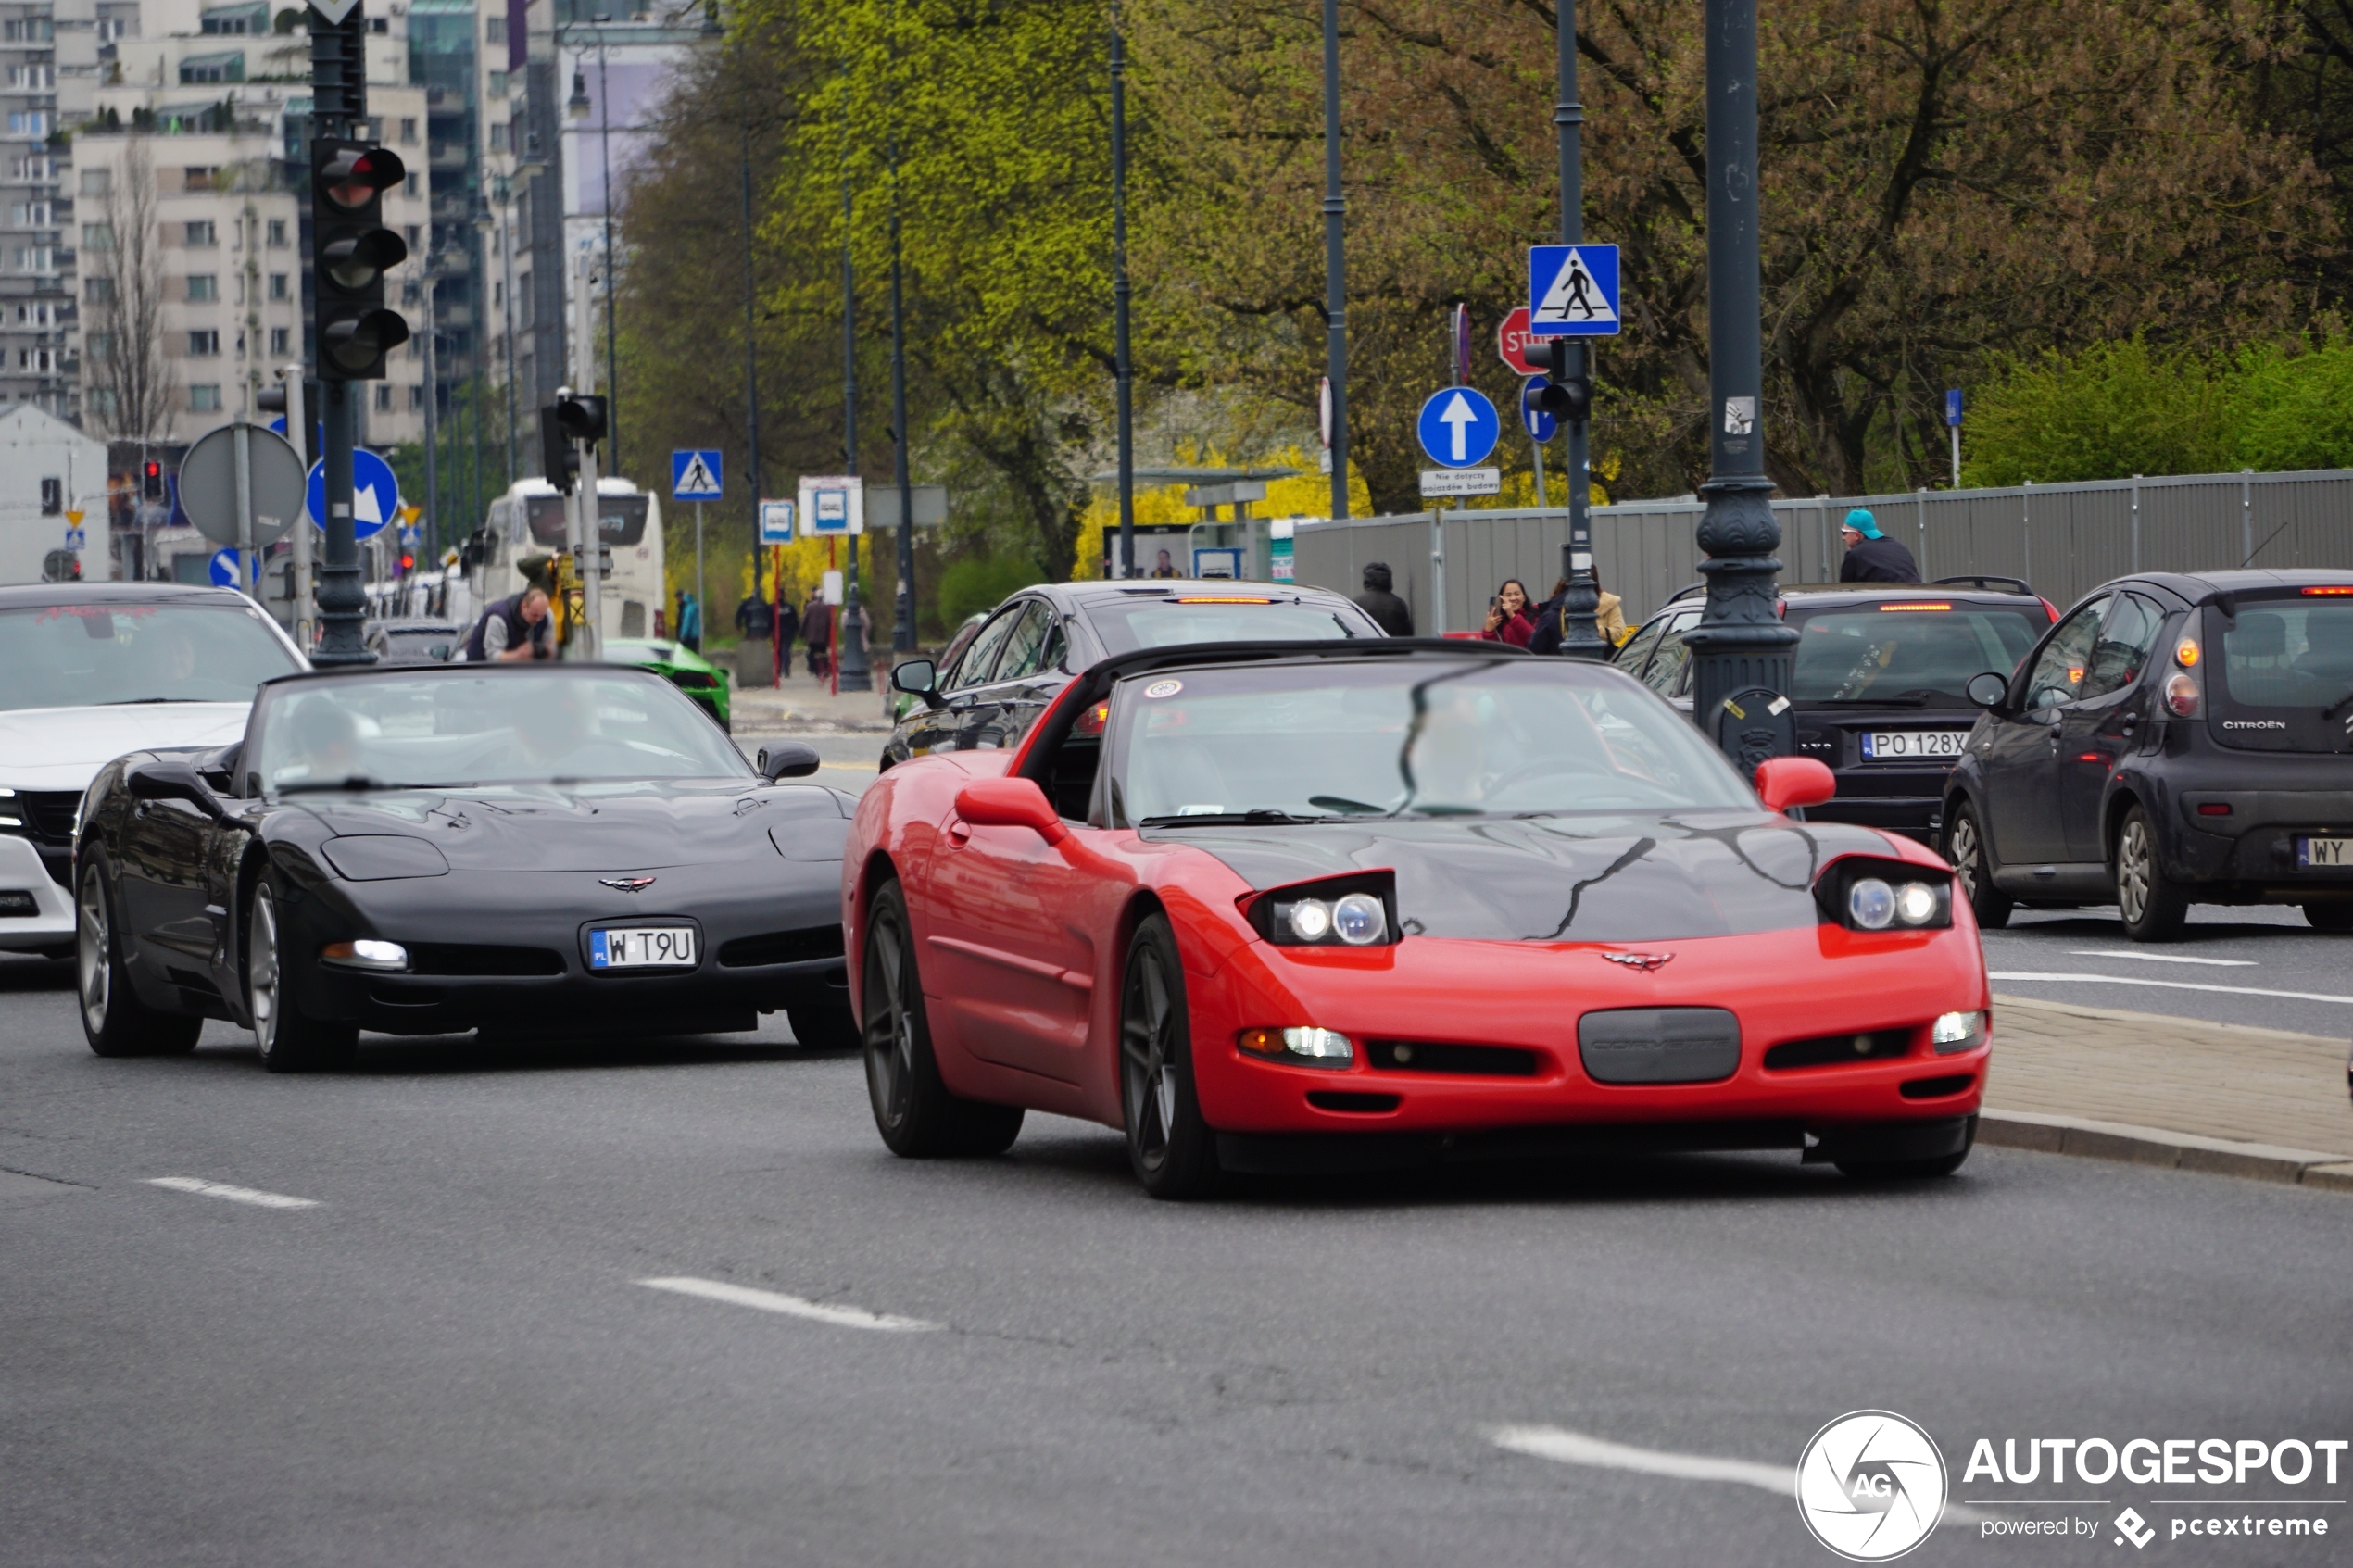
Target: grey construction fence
{"points": [[2065, 539]]}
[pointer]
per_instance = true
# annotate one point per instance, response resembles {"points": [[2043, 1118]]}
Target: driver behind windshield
{"points": [[324, 745]]}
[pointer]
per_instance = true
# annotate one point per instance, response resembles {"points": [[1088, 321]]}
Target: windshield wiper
{"points": [[353, 782], [1343, 804], [1907, 700], [139, 701], [1255, 816]]}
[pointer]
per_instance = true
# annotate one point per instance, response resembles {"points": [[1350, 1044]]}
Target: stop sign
{"points": [[1512, 340]]}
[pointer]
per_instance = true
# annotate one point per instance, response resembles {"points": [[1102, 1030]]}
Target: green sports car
{"points": [[681, 666]]}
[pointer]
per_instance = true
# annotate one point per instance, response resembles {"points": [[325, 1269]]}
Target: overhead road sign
{"points": [[1542, 425], [693, 475], [832, 505], [274, 485], [1572, 290], [1459, 427], [1511, 341], [776, 522], [375, 494], [1462, 481]]}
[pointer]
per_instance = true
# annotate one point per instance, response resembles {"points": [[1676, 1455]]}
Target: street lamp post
{"points": [[1335, 264], [852, 673], [1581, 638], [1741, 645], [1123, 375], [612, 353]]}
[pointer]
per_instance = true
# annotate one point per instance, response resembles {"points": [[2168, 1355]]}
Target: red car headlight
{"points": [[1359, 910], [1300, 1047], [1862, 894]]}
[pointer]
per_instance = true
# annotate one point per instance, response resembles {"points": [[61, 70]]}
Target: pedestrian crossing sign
{"points": [[1572, 290], [693, 475]]}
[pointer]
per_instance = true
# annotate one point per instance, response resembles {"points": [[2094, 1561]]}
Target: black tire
{"points": [[825, 1028], [1901, 1169], [1972, 859], [114, 1020], [288, 1039], [913, 1112], [1173, 1152], [2325, 915], [2154, 907]]}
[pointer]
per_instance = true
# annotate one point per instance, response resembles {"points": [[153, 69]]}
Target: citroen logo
{"points": [[627, 884], [1649, 963]]}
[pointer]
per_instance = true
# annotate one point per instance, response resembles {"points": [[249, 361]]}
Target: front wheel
{"points": [[1171, 1148], [114, 1020], [1973, 866], [2154, 907], [913, 1112], [289, 1040]]}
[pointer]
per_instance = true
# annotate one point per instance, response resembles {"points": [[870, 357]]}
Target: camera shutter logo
{"points": [[1871, 1485]]}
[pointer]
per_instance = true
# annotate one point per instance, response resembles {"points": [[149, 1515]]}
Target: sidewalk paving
{"points": [[803, 706]]}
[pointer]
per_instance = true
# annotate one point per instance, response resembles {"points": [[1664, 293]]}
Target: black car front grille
{"points": [[1831, 1050], [1437, 1056], [49, 815], [482, 961], [805, 945]]}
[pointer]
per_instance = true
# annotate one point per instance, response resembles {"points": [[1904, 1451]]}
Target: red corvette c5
{"points": [[1302, 906]]}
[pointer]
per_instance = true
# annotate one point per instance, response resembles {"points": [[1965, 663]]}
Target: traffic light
{"points": [[1567, 397], [151, 481], [582, 416], [555, 450], [351, 251]]}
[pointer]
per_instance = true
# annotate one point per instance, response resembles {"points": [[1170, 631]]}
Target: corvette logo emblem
{"points": [[627, 884], [1649, 963]]}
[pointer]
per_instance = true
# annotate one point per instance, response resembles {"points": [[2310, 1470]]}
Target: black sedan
{"points": [[424, 850], [1026, 651], [2174, 740], [1880, 681]]}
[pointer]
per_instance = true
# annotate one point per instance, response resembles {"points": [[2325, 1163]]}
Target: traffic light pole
{"points": [[339, 96], [589, 544], [1580, 637], [1741, 645]]}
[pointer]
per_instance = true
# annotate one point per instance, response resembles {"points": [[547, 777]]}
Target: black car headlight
{"points": [[1868, 895], [1359, 910]]}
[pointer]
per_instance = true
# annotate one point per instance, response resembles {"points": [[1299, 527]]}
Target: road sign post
{"points": [[695, 475], [1952, 424], [242, 486]]}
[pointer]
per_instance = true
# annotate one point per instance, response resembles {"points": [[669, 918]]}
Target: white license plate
{"points": [[2335, 854], [646, 947], [1880, 745]]}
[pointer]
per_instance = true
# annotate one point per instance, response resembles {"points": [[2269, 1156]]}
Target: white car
{"points": [[88, 671]]}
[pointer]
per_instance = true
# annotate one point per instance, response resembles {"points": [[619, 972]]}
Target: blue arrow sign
{"points": [[1539, 421], [693, 475], [375, 494], [1459, 427], [224, 569], [1572, 290]]}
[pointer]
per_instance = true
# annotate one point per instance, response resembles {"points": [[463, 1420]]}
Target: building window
{"points": [[28, 122], [98, 291], [97, 237], [498, 84], [417, 399], [383, 398], [415, 237], [204, 399], [196, 179], [97, 181], [277, 340], [201, 234], [213, 68], [278, 285], [100, 345], [204, 345], [495, 30], [278, 231], [202, 289], [408, 133]]}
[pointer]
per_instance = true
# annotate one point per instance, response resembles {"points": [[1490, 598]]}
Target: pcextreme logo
{"points": [[1871, 1485]]}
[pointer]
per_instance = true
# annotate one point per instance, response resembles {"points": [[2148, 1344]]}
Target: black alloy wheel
{"points": [[288, 1039], [114, 1020], [1964, 846], [913, 1112], [1172, 1150], [2154, 907]]}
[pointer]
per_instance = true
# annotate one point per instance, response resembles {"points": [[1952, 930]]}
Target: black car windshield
{"points": [[451, 731], [1437, 737], [93, 655], [1126, 624], [1909, 652]]}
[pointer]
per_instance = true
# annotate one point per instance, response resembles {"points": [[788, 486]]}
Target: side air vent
{"points": [[1347, 1100], [480, 961], [805, 945], [1438, 1056], [1937, 1089], [1832, 1051]]}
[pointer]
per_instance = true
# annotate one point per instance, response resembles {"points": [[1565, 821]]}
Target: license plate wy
{"points": [[653, 946], [2324, 854], [1884, 744]]}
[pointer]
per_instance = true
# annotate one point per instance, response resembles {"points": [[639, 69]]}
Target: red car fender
{"points": [[897, 823]]}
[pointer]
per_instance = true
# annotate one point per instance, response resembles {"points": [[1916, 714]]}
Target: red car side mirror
{"points": [[1784, 782], [1013, 803]]}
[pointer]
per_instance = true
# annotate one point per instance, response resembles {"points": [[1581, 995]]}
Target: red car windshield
{"points": [[1405, 738]]}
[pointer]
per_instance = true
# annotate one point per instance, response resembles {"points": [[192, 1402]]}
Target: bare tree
{"points": [[128, 369]]}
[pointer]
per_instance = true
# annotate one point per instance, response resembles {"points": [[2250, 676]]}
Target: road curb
{"points": [[2159, 1147]]}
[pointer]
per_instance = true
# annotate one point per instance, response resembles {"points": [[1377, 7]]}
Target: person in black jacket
{"points": [[1390, 613], [1872, 557]]}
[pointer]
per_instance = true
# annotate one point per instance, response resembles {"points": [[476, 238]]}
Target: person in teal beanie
{"points": [[1872, 557]]}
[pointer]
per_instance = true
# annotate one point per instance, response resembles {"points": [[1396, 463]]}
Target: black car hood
{"points": [[1561, 879], [637, 827]]}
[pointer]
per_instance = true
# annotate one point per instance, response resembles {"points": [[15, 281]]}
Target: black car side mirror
{"points": [[787, 760], [170, 779], [918, 677], [1987, 690]]}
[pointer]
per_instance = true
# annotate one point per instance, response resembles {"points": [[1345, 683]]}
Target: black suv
{"points": [[2174, 740], [1881, 684]]}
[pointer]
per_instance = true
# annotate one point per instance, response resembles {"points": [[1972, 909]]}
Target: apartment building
{"points": [[48, 70]]}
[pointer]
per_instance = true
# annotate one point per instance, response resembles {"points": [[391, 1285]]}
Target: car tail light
{"points": [[2185, 654], [1092, 723], [2052, 610], [2331, 591], [1884, 608], [2181, 695], [2215, 808]]}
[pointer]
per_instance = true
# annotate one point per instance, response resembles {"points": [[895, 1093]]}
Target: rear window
{"points": [[621, 520], [1914, 653], [1125, 625], [2285, 680]]}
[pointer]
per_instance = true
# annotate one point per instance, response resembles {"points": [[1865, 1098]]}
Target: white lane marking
{"points": [[233, 1194], [2162, 957], [1563, 1447], [2167, 984], [792, 1306]]}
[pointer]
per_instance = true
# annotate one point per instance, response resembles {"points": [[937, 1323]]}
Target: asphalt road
{"points": [[2262, 965], [450, 1356]]}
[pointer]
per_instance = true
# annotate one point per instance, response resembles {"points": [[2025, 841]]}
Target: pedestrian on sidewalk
{"points": [[1872, 557], [816, 630], [1552, 618], [788, 628], [1390, 613], [1507, 615], [689, 620]]}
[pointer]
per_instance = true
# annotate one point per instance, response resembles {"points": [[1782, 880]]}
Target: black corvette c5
{"points": [[521, 849]]}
